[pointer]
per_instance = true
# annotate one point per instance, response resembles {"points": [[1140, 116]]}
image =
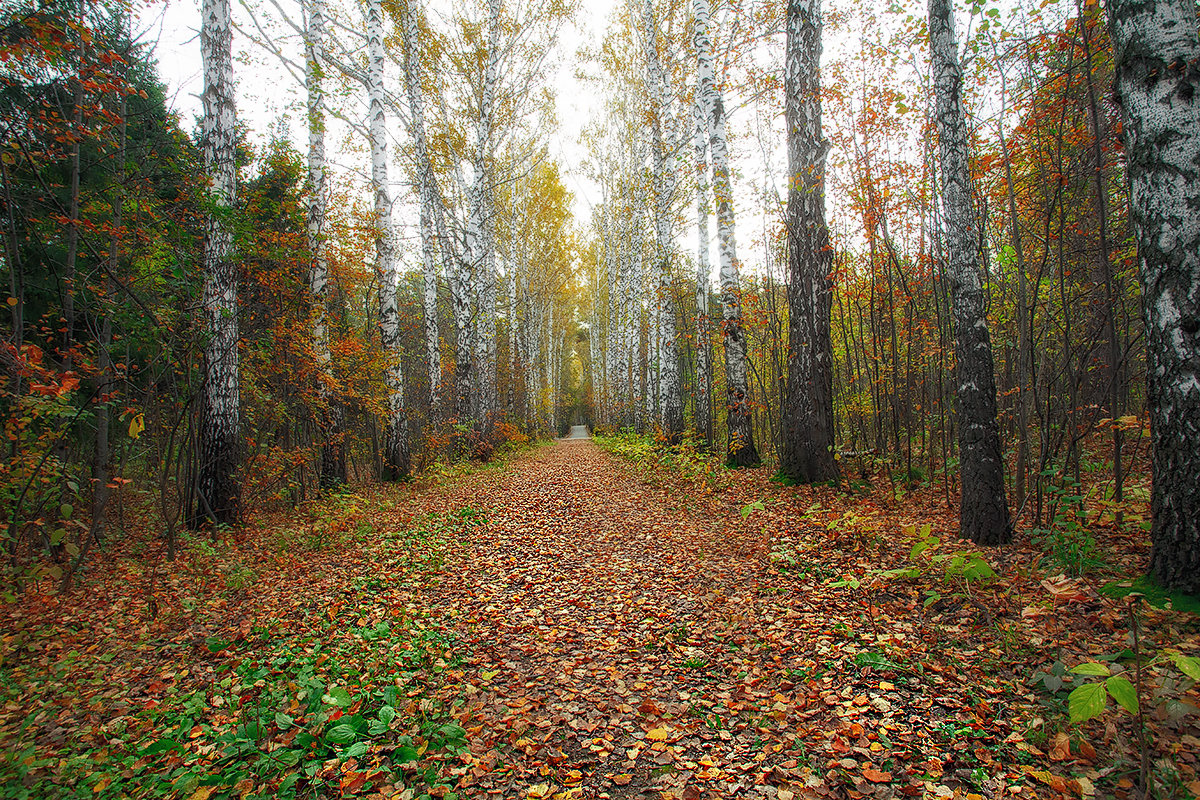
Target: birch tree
{"points": [[983, 512], [741, 451], [395, 442], [669, 394], [702, 114], [427, 195], [330, 414], [218, 495], [1158, 87], [806, 438]]}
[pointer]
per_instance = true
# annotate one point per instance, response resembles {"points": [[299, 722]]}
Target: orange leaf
{"points": [[875, 776]]}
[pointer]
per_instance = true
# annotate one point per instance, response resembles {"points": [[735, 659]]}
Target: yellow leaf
{"points": [[136, 426], [202, 793], [658, 735], [101, 785], [487, 676], [539, 790]]}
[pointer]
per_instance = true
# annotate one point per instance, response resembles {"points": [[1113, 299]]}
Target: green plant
{"points": [[1066, 541]]}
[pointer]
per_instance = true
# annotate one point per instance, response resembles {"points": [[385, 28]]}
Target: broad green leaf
{"points": [[356, 750], [283, 721], [161, 746], [1087, 701], [1123, 692], [341, 734], [387, 714], [406, 754], [338, 697], [1091, 668], [1188, 665]]}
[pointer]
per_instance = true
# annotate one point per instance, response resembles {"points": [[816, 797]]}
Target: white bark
{"points": [[1158, 85], [702, 113], [668, 392], [330, 416], [396, 445], [741, 451], [427, 196], [220, 446]]}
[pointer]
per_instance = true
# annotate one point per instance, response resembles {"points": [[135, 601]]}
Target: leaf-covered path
{"points": [[630, 638]]}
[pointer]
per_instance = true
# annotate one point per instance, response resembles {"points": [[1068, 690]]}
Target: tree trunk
{"points": [[330, 415], [396, 456], [741, 451], [983, 512], [806, 436], [702, 113], [1157, 81], [669, 394], [427, 197], [217, 489]]}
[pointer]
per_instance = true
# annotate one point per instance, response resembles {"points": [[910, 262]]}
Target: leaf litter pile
{"points": [[577, 625]]}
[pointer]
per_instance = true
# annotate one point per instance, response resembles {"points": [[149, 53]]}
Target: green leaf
{"points": [[1188, 665], [338, 697], [1091, 668], [406, 754], [341, 734], [357, 750], [1087, 701], [283, 721], [1123, 692], [161, 746], [387, 714]]}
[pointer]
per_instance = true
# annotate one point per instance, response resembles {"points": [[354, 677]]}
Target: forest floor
{"points": [[576, 625]]}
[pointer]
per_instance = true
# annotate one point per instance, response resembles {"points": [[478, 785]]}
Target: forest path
{"points": [[616, 629]]}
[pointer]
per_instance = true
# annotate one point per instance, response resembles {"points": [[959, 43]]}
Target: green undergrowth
{"points": [[1153, 593], [688, 459], [349, 687]]}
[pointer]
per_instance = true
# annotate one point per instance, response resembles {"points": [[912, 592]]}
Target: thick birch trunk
{"points": [[217, 491], [396, 455], [741, 451], [806, 452], [330, 417], [1158, 86], [983, 513], [427, 197]]}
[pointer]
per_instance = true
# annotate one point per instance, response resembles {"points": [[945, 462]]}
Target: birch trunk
{"points": [[702, 114], [330, 417], [741, 451], [983, 512], [217, 491], [1157, 83], [669, 394], [480, 237], [806, 440], [427, 197], [396, 455]]}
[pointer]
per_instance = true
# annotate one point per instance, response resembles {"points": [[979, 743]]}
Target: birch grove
{"points": [[933, 275]]}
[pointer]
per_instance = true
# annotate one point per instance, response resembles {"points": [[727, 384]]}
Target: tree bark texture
{"points": [[741, 451], [807, 424], [330, 415], [983, 512], [218, 492], [396, 457], [1158, 86]]}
